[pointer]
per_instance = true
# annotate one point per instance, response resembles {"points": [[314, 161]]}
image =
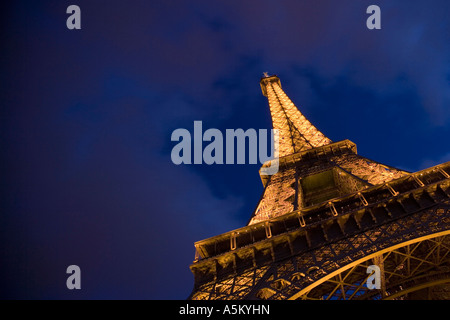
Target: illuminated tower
{"points": [[325, 217]]}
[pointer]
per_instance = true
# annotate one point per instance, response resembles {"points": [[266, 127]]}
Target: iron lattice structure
{"points": [[325, 217]]}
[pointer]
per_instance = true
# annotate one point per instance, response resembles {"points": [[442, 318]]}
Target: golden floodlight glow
{"points": [[324, 218]]}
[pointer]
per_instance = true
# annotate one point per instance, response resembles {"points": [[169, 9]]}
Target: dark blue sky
{"points": [[87, 116]]}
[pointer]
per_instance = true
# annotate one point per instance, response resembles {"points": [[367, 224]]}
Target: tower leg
{"points": [[379, 261]]}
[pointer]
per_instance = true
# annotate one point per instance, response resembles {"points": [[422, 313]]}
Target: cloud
{"points": [[427, 163], [127, 216], [332, 39]]}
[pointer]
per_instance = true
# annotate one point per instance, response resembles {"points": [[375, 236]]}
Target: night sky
{"points": [[87, 117]]}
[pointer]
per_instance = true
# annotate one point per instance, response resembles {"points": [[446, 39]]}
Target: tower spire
{"points": [[296, 133]]}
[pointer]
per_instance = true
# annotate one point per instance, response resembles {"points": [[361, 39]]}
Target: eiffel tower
{"points": [[324, 218]]}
